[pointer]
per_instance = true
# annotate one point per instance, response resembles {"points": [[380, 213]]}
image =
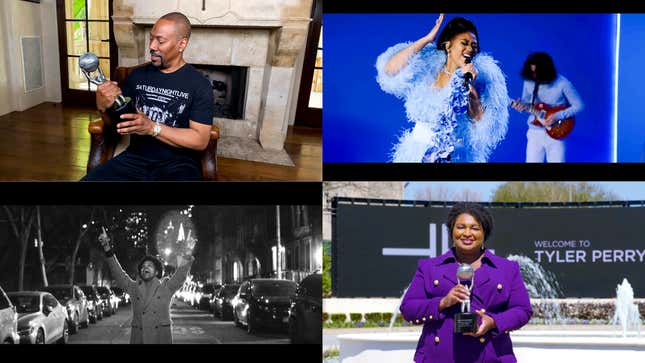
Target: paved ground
{"points": [[330, 336], [524, 354], [189, 326]]}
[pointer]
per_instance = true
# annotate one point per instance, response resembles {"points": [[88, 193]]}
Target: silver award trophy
{"points": [[465, 320], [89, 65]]}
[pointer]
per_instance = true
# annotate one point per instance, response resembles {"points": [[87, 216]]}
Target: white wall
{"points": [[6, 101], [22, 18], [26, 21], [51, 54]]}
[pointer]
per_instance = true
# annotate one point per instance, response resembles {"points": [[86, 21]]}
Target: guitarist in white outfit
{"points": [[542, 83]]}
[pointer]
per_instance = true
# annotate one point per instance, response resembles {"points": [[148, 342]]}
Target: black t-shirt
{"points": [[171, 99]]}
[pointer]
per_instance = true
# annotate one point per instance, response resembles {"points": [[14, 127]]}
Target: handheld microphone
{"points": [[468, 77]]}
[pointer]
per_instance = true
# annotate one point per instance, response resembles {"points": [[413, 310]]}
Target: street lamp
{"points": [[167, 251]]}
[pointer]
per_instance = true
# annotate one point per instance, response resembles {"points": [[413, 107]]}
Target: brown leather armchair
{"points": [[104, 138]]}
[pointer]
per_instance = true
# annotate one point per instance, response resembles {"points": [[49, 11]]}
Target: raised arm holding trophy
{"points": [[467, 319]]}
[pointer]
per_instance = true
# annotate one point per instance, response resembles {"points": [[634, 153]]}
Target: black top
{"points": [[171, 99]]}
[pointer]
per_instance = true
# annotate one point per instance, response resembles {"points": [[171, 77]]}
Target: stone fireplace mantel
{"points": [[226, 13], [267, 36]]}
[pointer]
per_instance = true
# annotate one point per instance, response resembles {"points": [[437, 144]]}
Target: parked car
{"points": [[263, 303], [222, 307], [124, 297], [305, 312], [207, 294], [110, 303], [41, 318], [8, 321], [94, 303], [75, 302]]}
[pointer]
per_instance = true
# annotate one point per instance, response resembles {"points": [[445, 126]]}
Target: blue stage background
{"points": [[361, 122], [631, 133]]}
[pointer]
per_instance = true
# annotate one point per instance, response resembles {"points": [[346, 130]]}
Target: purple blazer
{"points": [[498, 288]]}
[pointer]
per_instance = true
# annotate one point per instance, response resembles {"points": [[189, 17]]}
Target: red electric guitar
{"points": [[559, 129]]}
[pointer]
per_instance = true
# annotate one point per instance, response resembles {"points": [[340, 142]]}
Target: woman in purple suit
{"points": [[498, 296]]}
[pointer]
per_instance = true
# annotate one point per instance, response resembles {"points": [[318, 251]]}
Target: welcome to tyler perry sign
{"points": [[589, 250]]}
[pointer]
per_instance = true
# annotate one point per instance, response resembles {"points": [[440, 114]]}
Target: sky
{"points": [[624, 190]]}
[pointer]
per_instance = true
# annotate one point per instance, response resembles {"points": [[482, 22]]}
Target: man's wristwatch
{"points": [[156, 129]]}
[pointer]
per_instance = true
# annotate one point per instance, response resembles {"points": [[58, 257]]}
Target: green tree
{"points": [[513, 192], [326, 278]]}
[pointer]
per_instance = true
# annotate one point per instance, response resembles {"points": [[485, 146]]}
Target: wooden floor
{"points": [[50, 142]]}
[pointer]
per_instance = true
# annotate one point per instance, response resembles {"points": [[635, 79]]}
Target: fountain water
{"points": [[541, 285], [626, 311], [395, 313]]}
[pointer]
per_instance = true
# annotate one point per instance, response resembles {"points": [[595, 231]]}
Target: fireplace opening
{"points": [[229, 89]]}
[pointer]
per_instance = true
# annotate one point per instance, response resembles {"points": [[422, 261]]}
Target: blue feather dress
{"points": [[442, 129]]}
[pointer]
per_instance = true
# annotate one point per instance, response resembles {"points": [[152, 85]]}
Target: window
{"points": [[237, 267], [87, 25], [308, 256], [274, 288], [310, 99], [315, 98], [275, 258], [49, 300], [26, 304], [296, 260]]}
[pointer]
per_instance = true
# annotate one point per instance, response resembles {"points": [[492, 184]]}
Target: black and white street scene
{"points": [[196, 274]]}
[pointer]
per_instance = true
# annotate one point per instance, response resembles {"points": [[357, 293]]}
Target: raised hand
{"points": [[184, 259], [517, 104], [437, 24], [104, 240], [400, 59]]}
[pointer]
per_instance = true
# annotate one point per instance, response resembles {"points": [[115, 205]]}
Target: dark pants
{"points": [[128, 166]]}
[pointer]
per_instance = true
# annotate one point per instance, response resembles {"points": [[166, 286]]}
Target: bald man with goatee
{"points": [[174, 112]]}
